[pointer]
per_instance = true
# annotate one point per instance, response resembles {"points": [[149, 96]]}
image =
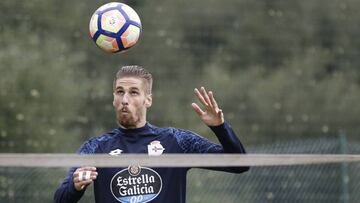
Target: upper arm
{"points": [[191, 142]]}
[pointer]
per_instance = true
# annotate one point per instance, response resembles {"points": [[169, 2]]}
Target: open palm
{"points": [[211, 115]]}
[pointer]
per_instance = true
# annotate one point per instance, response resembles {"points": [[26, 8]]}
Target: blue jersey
{"points": [[142, 184]]}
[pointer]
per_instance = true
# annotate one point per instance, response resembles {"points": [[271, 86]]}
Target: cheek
{"points": [[116, 102], [138, 104]]}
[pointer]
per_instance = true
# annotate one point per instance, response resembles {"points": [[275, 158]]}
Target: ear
{"points": [[148, 100], [113, 99]]}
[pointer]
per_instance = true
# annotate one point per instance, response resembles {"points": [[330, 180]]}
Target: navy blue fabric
{"points": [[136, 141]]}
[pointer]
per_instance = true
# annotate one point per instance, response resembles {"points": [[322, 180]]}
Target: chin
{"points": [[126, 123]]}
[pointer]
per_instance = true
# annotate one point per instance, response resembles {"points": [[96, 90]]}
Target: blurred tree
{"points": [[279, 69]]}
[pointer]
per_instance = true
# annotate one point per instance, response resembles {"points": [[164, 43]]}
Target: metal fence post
{"points": [[345, 196]]}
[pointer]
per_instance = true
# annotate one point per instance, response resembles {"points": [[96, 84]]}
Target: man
{"points": [[132, 98]]}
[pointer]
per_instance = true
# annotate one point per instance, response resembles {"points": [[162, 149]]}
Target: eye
{"points": [[134, 92], [119, 92]]}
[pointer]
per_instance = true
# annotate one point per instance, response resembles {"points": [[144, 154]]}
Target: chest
{"points": [[140, 183], [152, 145]]}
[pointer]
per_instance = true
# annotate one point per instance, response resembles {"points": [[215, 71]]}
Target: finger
{"points": [[200, 97], [86, 175], [212, 99], [197, 109], [84, 180], [80, 186], [93, 175], [80, 176], [87, 182], [221, 115], [205, 96], [87, 168]]}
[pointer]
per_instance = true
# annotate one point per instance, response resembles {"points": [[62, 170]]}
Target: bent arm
{"points": [[228, 139], [230, 143], [67, 193], [191, 142], [213, 117]]}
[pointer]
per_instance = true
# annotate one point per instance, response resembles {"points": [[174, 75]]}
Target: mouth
{"points": [[124, 110]]}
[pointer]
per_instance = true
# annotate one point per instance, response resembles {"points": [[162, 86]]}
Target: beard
{"points": [[128, 120]]}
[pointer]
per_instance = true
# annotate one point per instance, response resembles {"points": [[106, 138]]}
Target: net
{"points": [[169, 160], [328, 177]]}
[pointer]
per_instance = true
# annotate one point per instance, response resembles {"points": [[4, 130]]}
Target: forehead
{"points": [[129, 82]]}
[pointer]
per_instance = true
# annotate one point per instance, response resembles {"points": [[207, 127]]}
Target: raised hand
{"points": [[211, 115]]}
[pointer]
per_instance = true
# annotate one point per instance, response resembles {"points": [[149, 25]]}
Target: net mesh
{"points": [[300, 183]]}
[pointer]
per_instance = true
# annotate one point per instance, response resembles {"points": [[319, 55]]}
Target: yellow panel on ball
{"points": [[108, 44], [112, 21], [130, 36], [93, 24]]}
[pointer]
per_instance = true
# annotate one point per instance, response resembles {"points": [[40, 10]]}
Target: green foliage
{"points": [[39, 89], [279, 69]]}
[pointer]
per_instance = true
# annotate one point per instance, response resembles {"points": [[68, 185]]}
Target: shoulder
{"points": [[91, 145], [176, 132], [186, 139], [162, 130]]}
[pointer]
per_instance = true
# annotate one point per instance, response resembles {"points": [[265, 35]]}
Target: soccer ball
{"points": [[115, 27]]}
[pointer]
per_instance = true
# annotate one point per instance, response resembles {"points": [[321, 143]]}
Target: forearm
{"points": [[228, 139], [230, 144]]}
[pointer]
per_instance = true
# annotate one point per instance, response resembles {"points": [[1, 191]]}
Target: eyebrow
{"points": [[131, 88]]}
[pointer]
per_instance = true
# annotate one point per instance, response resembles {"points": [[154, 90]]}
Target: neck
{"points": [[138, 125]]}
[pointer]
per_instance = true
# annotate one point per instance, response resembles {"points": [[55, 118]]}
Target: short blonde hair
{"points": [[135, 71]]}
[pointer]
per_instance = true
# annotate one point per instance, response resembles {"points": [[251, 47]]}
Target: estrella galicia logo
{"points": [[136, 185]]}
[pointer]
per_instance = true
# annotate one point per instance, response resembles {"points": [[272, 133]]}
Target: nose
{"points": [[125, 100]]}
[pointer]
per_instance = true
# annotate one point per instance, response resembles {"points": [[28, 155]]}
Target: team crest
{"points": [[136, 185], [155, 148], [116, 152]]}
